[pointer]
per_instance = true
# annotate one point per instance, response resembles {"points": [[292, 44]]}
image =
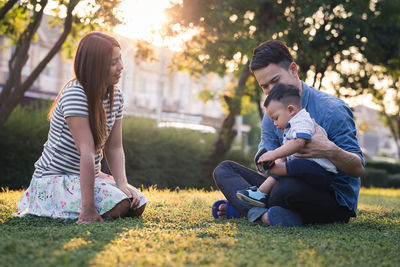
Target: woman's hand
{"points": [[88, 216], [131, 193]]}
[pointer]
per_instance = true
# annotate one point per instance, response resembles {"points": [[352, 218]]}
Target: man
{"points": [[293, 202]]}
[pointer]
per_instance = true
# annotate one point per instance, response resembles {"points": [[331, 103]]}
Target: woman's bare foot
{"points": [[221, 211], [136, 212]]}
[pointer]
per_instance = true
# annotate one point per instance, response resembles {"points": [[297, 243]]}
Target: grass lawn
{"points": [[177, 229]]}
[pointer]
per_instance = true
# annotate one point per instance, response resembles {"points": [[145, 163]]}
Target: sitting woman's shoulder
{"points": [[73, 87]]}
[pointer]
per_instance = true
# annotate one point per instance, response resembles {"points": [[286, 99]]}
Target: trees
{"points": [[20, 22], [377, 62], [228, 31]]}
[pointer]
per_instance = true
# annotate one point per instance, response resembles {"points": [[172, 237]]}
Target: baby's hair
{"points": [[284, 93]]}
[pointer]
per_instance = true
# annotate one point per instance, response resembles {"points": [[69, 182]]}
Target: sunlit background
{"points": [[143, 19]]}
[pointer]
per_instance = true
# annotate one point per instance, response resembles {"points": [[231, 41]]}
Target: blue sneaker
{"points": [[253, 196]]}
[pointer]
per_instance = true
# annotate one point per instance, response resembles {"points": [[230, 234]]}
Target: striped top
{"points": [[60, 156]]}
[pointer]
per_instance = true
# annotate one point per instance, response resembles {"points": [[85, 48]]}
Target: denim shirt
{"points": [[332, 114]]}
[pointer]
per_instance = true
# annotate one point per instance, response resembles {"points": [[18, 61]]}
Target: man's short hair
{"points": [[284, 93], [272, 51]]}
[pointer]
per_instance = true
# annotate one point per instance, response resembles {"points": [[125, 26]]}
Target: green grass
{"points": [[177, 229]]}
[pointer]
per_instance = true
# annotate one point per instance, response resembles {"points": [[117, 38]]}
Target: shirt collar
{"points": [[305, 95], [300, 113]]}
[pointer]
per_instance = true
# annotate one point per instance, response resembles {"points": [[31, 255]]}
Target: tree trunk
{"points": [[14, 90], [226, 134]]}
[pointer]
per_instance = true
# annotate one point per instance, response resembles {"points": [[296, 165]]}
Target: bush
{"points": [[394, 181], [374, 178], [391, 168], [379, 178], [381, 174], [21, 143], [168, 157]]}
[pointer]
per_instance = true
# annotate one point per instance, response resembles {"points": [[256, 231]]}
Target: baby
{"points": [[283, 107]]}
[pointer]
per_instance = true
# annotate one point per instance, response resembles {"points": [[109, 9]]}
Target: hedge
{"points": [[379, 178], [21, 143], [381, 174], [166, 157], [391, 168]]}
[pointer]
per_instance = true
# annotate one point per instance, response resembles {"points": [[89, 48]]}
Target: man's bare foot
{"points": [[264, 218], [221, 211]]}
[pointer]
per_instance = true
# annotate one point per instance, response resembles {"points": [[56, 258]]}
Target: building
{"points": [[373, 136], [150, 88]]}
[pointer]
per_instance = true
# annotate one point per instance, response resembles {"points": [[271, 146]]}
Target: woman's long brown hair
{"points": [[92, 67]]}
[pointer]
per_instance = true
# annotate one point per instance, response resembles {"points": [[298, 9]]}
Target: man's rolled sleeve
{"points": [[342, 131]]}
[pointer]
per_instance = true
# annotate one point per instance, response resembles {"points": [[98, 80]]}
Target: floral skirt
{"points": [[59, 197]]}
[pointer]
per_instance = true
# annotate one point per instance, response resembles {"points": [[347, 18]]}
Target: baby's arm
{"points": [[289, 148]]}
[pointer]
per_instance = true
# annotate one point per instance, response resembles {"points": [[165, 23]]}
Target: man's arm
{"points": [[321, 147]]}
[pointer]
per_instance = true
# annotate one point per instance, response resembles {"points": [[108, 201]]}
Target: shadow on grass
{"points": [[35, 240]]}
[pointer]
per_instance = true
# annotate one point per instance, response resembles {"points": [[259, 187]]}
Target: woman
{"points": [[85, 119]]}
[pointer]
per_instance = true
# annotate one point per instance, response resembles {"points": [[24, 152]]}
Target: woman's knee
{"points": [[119, 210]]}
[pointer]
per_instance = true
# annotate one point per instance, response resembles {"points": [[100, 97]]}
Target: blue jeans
{"points": [[310, 172], [315, 205]]}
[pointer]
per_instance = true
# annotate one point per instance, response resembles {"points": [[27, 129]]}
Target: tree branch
{"points": [[20, 55], [7, 7], [56, 47]]}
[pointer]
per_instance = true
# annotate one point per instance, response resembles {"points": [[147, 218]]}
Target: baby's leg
{"points": [[267, 185], [279, 169], [310, 172]]}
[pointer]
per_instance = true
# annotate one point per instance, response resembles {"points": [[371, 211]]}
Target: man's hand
{"points": [[318, 147], [88, 216]]}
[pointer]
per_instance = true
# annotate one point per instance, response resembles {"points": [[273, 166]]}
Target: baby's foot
{"points": [[253, 196]]}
